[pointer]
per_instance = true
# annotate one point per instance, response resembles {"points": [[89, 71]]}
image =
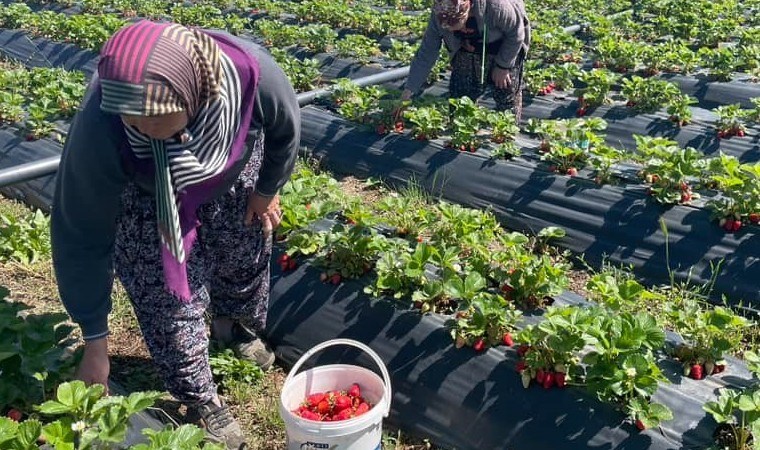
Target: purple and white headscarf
{"points": [[152, 69]]}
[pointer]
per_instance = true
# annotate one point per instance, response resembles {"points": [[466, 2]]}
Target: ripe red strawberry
{"points": [[754, 217], [520, 366], [380, 129], [310, 415], [727, 224], [419, 239], [572, 171], [308, 206], [736, 225], [505, 288], [580, 112], [342, 402], [560, 379], [721, 134], [420, 137], [335, 279], [684, 187], [479, 345], [655, 178], [314, 399], [343, 415], [283, 258], [719, 368], [685, 197], [507, 340], [292, 264], [284, 266], [640, 425], [548, 380], [323, 407], [542, 91], [696, 372], [399, 126], [540, 376], [362, 408], [740, 133], [14, 414], [462, 148], [354, 391], [523, 349]]}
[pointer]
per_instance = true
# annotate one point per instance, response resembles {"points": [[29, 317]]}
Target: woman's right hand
{"points": [[95, 367], [398, 113]]}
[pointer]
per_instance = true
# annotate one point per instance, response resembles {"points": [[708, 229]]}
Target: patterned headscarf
{"points": [[450, 11], [150, 69]]}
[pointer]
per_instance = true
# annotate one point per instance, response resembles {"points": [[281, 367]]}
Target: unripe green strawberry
{"points": [[709, 368]]}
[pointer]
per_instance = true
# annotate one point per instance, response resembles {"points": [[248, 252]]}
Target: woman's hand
{"points": [[95, 367], [501, 77], [398, 112], [267, 209]]}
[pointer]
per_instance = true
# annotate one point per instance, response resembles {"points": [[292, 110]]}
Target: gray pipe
{"points": [[306, 98]]}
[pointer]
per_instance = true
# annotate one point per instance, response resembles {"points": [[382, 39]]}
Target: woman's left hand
{"points": [[501, 77], [265, 208]]}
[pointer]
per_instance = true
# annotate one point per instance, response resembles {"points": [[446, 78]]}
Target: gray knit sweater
{"points": [[504, 20]]}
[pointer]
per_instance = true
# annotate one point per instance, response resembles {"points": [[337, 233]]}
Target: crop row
{"points": [[456, 261]]}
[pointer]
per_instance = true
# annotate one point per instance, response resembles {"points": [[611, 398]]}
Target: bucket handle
{"points": [[351, 343]]}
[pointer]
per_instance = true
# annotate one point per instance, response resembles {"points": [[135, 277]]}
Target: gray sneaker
{"points": [[246, 344], [220, 426]]}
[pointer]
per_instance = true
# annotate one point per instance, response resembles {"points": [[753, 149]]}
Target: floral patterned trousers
{"points": [[228, 271]]}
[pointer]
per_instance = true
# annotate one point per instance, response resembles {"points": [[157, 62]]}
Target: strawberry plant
{"points": [[563, 76], [82, 417], [669, 168], [307, 197], [429, 121], [528, 279], [721, 62], [33, 356], [648, 94], [740, 186], [621, 55], [468, 118], [753, 114], [550, 349], [400, 270], [350, 251], [738, 414], [401, 51], [362, 104], [679, 109], [730, 121], [598, 83], [317, 37], [358, 47], [276, 33], [622, 368], [503, 126], [485, 321], [303, 74], [506, 150], [407, 214], [566, 144], [602, 158], [24, 239], [709, 334]]}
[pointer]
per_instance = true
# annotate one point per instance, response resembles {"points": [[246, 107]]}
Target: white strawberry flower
{"points": [[78, 427], [631, 372]]}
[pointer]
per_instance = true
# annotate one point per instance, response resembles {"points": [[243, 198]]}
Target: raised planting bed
{"points": [[467, 400], [601, 221]]}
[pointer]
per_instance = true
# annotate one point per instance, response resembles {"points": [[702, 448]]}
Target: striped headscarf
{"points": [[151, 69]]}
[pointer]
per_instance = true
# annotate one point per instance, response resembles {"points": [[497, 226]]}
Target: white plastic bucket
{"points": [[360, 433]]}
